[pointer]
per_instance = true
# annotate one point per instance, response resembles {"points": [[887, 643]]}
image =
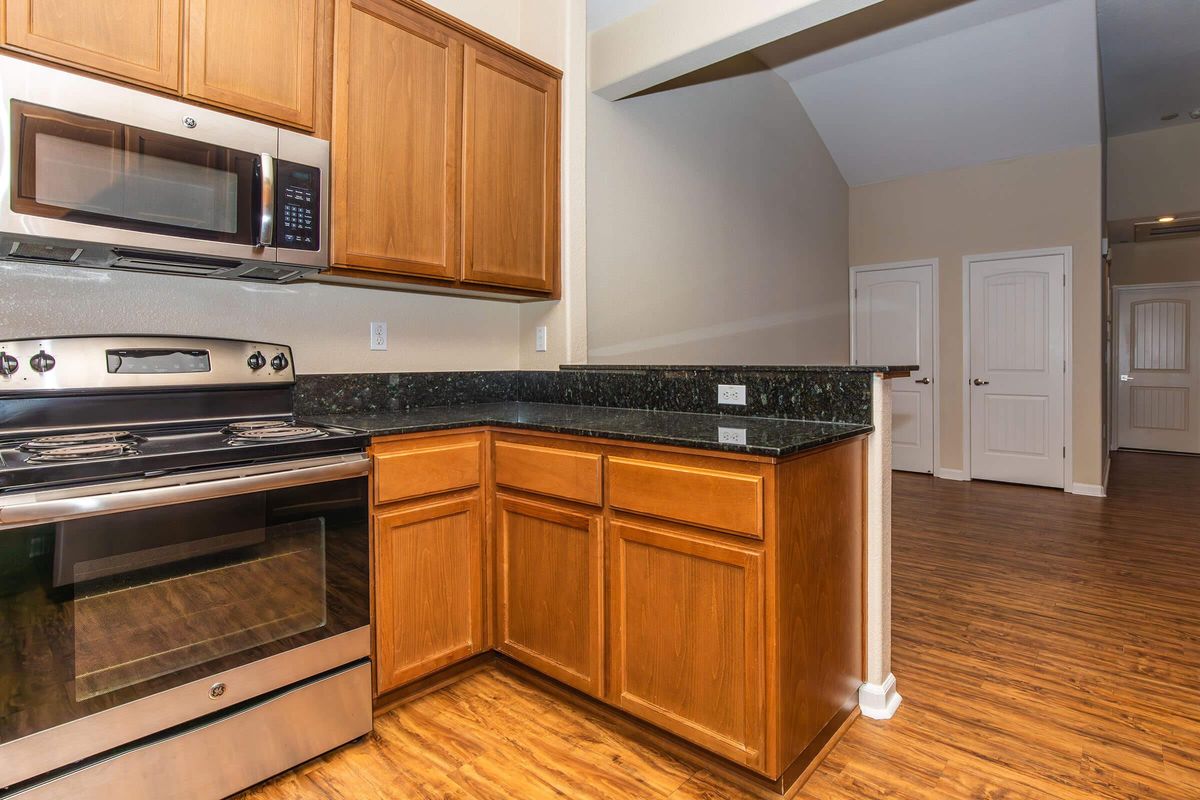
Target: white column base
{"points": [[879, 700]]}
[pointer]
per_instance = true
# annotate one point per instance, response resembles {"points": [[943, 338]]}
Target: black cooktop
{"points": [[161, 450]]}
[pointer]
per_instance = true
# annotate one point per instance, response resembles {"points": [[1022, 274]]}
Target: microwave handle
{"points": [[266, 201]]}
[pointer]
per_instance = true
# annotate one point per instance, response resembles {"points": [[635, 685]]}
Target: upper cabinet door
{"points": [[510, 181], [397, 112], [258, 57], [137, 40]]}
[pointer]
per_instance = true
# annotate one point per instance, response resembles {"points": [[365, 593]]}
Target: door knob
{"points": [[978, 382], [1126, 378], [924, 381]]}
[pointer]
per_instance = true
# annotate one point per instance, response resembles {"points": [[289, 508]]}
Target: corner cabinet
{"points": [[445, 150], [718, 597], [266, 59]]}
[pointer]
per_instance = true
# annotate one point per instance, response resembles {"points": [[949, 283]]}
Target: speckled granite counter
{"points": [[763, 436]]}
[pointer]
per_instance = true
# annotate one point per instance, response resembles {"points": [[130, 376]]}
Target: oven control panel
{"points": [[297, 206], [80, 363]]}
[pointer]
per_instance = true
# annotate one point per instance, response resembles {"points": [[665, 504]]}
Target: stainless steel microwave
{"points": [[100, 175]]}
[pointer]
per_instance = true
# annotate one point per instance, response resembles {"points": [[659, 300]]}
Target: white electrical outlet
{"points": [[731, 394], [540, 339], [731, 435], [379, 336]]}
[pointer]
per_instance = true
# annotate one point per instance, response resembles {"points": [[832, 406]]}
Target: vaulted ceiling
{"points": [[978, 81], [982, 81]]}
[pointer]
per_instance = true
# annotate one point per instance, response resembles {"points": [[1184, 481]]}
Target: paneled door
{"points": [[894, 324], [1158, 388], [1017, 372]]}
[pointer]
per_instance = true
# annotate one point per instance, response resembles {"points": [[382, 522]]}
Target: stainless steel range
{"points": [[184, 598]]}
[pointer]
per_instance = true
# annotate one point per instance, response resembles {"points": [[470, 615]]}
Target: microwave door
{"points": [[97, 163]]}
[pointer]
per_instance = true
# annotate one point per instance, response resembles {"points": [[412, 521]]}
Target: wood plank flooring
{"points": [[1046, 645]]}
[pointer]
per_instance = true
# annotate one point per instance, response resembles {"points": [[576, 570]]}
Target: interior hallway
{"points": [[1047, 646]]}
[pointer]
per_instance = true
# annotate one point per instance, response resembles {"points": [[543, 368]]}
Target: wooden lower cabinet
{"points": [[428, 587], [550, 614], [728, 612], [687, 636]]}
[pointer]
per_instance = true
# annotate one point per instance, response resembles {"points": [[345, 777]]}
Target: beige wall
{"points": [[328, 325], [1154, 172], [717, 227], [1165, 261], [1050, 200]]}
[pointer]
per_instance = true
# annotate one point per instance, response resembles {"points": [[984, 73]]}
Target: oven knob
{"points": [[8, 364], [279, 362], [256, 361], [42, 362]]}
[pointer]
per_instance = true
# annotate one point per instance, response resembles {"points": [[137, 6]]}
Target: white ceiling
{"points": [[1150, 52], [602, 13], [969, 85], [983, 80]]}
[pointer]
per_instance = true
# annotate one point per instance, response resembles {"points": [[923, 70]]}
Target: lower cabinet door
{"points": [[550, 608], [428, 588], [687, 637]]}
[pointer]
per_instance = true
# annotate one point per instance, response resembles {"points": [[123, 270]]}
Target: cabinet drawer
{"points": [[549, 470], [711, 498], [426, 470]]}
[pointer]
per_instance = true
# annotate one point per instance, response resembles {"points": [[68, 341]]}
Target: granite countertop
{"points": [[886, 368], [764, 436]]}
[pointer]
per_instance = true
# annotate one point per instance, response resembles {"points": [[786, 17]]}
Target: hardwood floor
{"points": [[1046, 645]]}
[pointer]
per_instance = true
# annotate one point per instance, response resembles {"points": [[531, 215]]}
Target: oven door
{"points": [[94, 162], [128, 613]]}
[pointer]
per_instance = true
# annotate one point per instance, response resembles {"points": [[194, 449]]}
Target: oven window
{"points": [[84, 169], [108, 609]]}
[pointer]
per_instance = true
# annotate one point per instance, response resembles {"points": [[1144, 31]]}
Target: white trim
{"points": [[1088, 489], [1068, 355], [879, 700], [952, 474], [934, 371]]}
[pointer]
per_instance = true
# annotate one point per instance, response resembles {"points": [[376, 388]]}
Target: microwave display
{"points": [[298, 206]]}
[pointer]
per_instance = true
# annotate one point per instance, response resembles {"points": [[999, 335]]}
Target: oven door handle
{"points": [[61, 509]]}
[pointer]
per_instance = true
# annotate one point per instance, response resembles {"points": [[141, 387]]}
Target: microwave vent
{"points": [[274, 274], [39, 251]]}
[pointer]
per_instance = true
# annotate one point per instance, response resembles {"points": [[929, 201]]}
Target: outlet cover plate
{"points": [[731, 435], [731, 394], [378, 339], [540, 339]]}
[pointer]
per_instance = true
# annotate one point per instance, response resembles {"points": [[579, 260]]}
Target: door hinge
{"points": [[1064, 451]]}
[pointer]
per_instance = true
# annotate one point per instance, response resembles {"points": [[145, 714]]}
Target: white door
{"points": [[1017, 369], [893, 324], [1158, 390]]}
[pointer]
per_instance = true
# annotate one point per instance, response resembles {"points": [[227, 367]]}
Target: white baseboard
{"points": [[952, 474], [879, 700], [1087, 489]]}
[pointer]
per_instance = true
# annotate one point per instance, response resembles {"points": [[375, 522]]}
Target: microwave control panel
{"points": [[297, 206]]}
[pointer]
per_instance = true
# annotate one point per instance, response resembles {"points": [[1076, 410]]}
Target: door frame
{"points": [[1114, 373], [934, 372], [1068, 356]]}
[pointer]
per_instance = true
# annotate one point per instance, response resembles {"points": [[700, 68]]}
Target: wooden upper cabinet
{"points": [[428, 588], [510, 175], [397, 109], [136, 40], [258, 57]]}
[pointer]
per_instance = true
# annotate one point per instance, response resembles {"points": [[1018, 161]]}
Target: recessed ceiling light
{"points": [[1169, 117], [1166, 219]]}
